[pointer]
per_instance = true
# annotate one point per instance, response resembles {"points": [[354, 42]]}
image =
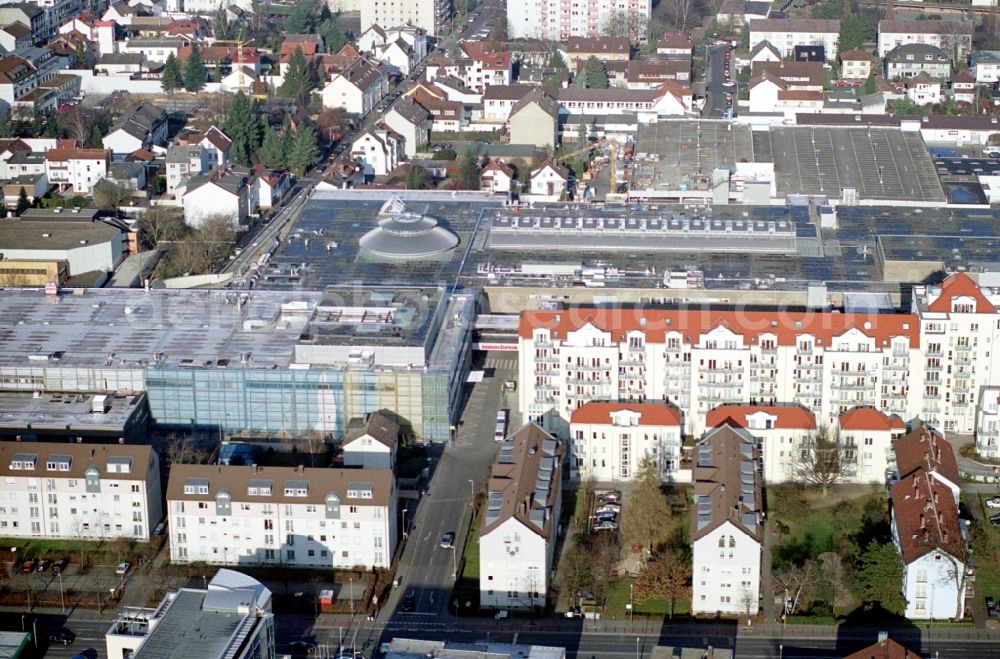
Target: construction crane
{"points": [[612, 157], [240, 44]]}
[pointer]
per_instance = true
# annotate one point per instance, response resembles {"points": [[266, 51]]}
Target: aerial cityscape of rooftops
{"points": [[499, 329]]}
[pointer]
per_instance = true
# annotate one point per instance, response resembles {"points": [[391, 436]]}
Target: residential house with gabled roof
{"points": [[142, 126], [727, 530], [781, 432], [399, 48], [855, 65], [445, 114], [34, 17], [884, 648], [963, 86], [764, 51], [412, 121], [224, 192], [912, 59], [358, 88], [606, 49], [548, 181], [217, 143], [866, 436], [379, 151], [98, 31], [535, 120], [609, 441], [491, 67], [674, 45], [13, 36], [71, 168], [925, 448], [184, 161], [928, 535], [497, 177], [319, 518], [272, 185], [517, 538], [653, 74], [371, 442]]}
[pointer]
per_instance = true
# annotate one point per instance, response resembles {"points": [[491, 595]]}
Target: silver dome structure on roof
{"points": [[404, 235]]}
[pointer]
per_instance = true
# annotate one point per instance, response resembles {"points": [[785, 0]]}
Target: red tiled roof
{"points": [[926, 449], [787, 326], [651, 414], [869, 418], [856, 55], [799, 95], [960, 285], [926, 516], [788, 416], [890, 649]]}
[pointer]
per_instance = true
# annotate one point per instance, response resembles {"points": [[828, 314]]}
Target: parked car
{"points": [[995, 520], [610, 497], [408, 603], [59, 565], [993, 502], [43, 565], [991, 607], [448, 540], [608, 508], [606, 517], [123, 568], [574, 613], [28, 566], [605, 526], [61, 637], [162, 526]]}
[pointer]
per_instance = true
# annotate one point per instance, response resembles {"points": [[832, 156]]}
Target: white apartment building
{"points": [[557, 20], [86, 491], [292, 516], [379, 151], [985, 66], [953, 37], [726, 526], [988, 423], [787, 33], [518, 536], [779, 430], [429, 15], [358, 88], [610, 440], [908, 364], [184, 161], [70, 168], [867, 435], [927, 532]]}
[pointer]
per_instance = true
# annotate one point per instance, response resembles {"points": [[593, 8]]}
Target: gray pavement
{"points": [[715, 89]]}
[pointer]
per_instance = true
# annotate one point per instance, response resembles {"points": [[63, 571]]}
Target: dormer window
{"points": [[58, 463], [24, 462], [196, 486], [296, 488], [259, 488]]}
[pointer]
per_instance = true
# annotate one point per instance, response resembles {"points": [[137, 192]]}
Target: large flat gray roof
{"points": [[53, 235], [186, 630], [49, 412]]}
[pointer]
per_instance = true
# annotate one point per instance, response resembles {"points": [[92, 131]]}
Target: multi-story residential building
{"points": [[518, 537], [71, 168], [371, 443], [909, 364], [429, 15], [787, 33], [293, 516], [558, 20], [988, 423], [412, 121], [358, 88], [726, 526], [866, 437], [780, 431], [378, 151], [30, 15], [924, 448], [855, 65], [927, 532], [958, 338], [220, 193], [985, 66], [185, 161], [610, 440], [912, 59], [953, 37], [234, 606], [86, 491], [606, 49], [22, 73]]}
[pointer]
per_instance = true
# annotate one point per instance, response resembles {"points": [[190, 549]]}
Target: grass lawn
{"points": [[46, 548], [617, 598], [988, 566], [467, 585]]}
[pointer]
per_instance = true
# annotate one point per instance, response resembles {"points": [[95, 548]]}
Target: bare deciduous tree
{"points": [[645, 508], [821, 460], [161, 224], [795, 582], [665, 577]]}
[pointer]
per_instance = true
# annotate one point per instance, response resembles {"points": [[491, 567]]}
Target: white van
{"points": [[500, 432]]}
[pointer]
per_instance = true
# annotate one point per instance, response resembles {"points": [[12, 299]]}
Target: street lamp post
{"points": [[454, 563], [636, 647], [62, 599], [404, 522], [351, 595], [472, 488], [631, 606]]}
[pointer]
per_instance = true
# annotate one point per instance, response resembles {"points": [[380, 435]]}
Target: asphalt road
{"points": [[715, 83]]}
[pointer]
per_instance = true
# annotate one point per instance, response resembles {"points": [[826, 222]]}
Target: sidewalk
{"points": [[766, 576]]}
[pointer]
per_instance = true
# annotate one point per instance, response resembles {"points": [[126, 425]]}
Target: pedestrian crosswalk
{"points": [[504, 362]]}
